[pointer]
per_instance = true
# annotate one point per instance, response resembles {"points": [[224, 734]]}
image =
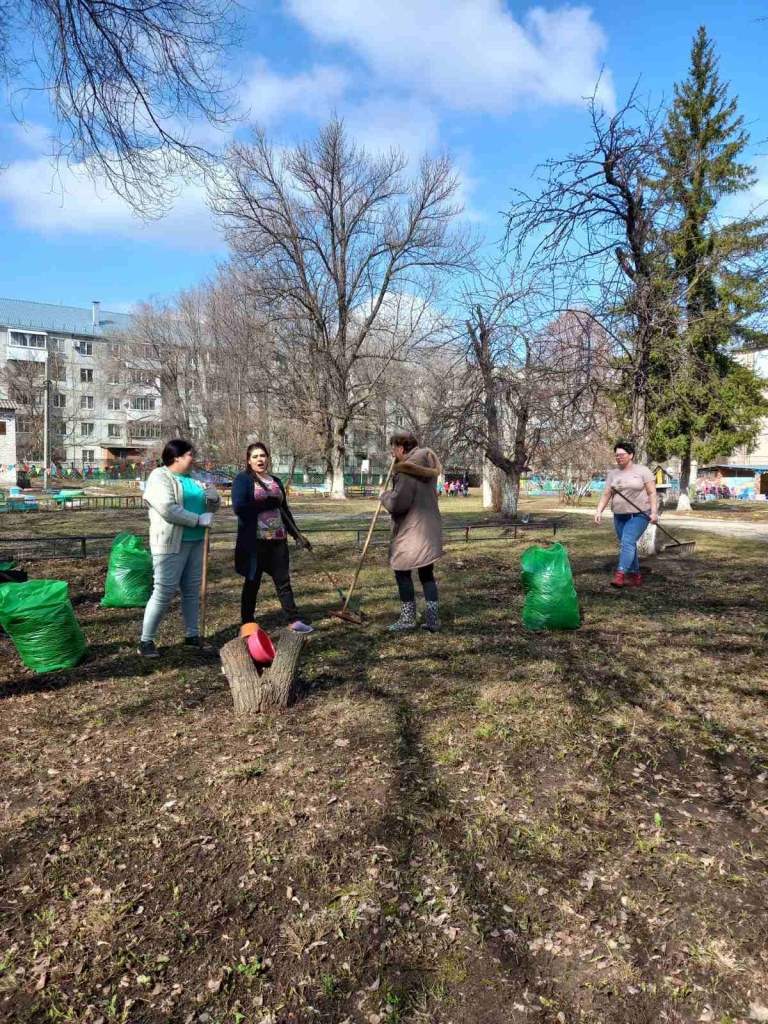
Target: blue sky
{"points": [[499, 85]]}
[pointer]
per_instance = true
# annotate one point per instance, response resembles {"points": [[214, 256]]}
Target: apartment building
{"points": [[103, 407]]}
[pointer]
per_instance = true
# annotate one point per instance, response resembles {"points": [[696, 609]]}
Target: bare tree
{"points": [[126, 81], [349, 253], [528, 385], [598, 224]]}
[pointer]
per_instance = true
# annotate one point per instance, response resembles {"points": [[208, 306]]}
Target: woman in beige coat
{"points": [[417, 529]]}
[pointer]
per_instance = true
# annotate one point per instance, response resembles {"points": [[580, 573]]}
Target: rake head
{"points": [[685, 549], [355, 618]]}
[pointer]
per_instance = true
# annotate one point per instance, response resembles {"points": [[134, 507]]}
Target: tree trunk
{"points": [[684, 502], [650, 543], [338, 459], [275, 687], [510, 493], [492, 489]]}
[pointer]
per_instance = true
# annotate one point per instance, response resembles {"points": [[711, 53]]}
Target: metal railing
{"points": [[27, 549]]}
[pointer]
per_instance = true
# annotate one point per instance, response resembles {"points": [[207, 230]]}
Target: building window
{"points": [[114, 430], [143, 404], [114, 349], [149, 351], [56, 344], [23, 339], [86, 376], [3, 428], [88, 454], [24, 424], [86, 401], [113, 404], [58, 401], [146, 431], [59, 372], [143, 377], [85, 348], [86, 429]]}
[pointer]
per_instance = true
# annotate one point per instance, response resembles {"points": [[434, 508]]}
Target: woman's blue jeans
{"points": [[630, 527]]}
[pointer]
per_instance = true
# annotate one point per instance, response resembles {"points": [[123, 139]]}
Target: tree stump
{"points": [[275, 687]]}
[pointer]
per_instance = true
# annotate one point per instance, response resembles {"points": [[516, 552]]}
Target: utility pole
{"points": [[46, 427]]}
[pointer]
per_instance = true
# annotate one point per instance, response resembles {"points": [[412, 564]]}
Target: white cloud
{"points": [[381, 124], [755, 201], [268, 96], [470, 54], [54, 203]]}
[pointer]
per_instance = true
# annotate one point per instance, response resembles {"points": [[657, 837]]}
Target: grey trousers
{"points": [[183, 572]]}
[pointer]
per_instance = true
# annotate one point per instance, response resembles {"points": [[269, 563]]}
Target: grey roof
{"points": [[44, 316]]}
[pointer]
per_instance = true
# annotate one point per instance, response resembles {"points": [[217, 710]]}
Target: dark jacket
{"points": [[247, 508], [417, 529]]}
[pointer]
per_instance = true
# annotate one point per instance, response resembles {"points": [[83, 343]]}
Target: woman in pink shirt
{"points": [[639, 485]]}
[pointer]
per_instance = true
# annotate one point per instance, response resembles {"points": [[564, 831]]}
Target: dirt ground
{"points": [[485, 825]]}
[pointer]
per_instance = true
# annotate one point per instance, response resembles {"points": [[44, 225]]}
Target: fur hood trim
{"points": [[421, 463]]}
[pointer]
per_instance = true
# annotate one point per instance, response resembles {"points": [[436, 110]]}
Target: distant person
{"points": [[417, 529], [465, 487], [181, 508], [264, 523], [639, 485]]}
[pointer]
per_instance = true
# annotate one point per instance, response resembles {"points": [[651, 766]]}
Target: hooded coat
{"points": [[417, 529]]}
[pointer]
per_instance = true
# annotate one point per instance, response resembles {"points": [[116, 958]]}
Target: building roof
{"points": [[730, 465], [44, 316]]}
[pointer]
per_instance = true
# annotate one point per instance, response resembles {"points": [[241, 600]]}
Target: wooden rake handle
{"points": [[642, 512], [375, 519]]}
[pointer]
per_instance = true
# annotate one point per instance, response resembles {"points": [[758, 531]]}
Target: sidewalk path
{"points": [[738, 531]]}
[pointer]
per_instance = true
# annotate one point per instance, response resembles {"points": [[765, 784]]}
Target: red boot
{"points": [[619, 579], [635, 579]]}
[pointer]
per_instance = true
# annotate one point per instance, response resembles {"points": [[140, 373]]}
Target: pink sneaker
{"points": [[301, 627]]}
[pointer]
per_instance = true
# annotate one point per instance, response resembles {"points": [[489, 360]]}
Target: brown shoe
{"points": [[620, 579], [635, 579]]}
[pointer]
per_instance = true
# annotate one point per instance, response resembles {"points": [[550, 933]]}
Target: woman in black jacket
{"points": [[264, 522]]}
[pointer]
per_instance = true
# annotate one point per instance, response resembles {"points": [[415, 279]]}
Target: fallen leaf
{"points": [[758, 1012], [344, 743], [587, 880], [289, 893]]}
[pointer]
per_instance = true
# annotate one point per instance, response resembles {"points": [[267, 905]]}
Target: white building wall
{"points": [[7, 447], [758, 453]]}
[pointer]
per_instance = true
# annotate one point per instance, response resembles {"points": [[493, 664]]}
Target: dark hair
{"points": [[250, 450], [625, 446], [408, 441], [174, 450]]}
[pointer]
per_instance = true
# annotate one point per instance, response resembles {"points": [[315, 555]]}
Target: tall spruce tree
{"points": [[706, 403]]}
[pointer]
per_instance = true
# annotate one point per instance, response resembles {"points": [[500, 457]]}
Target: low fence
{"points": [[29, 549]]}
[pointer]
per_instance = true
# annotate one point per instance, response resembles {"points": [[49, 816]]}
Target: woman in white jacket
{"points": [[181, 508]]}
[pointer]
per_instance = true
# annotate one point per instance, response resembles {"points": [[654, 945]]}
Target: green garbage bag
{"points": [[550, 596], [39, 618], [129, 576]]}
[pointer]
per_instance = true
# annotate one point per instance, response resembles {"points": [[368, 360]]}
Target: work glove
{"points": [[302, 542], [211, 494], [205, 519]]}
